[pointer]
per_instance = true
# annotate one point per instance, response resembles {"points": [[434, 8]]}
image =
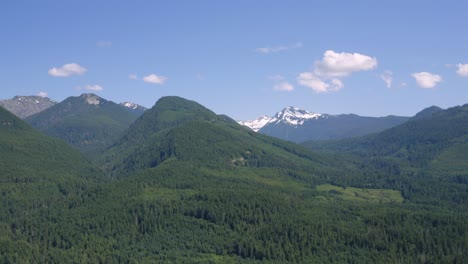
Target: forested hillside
{"points": [[41, 179], [88, 122], [183, 130], [427, 155], [189, 186]]}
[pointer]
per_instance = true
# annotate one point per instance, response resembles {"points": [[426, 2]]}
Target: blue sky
{"points": [[241, 58]]}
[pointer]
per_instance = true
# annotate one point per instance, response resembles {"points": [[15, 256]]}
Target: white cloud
{"points": [[336, 84], [426, 79], [94, 88], [67, 70], [42, 94], [133, 76], [343, 64], [268, 49], [318, 85], [200, 77], [104, 43], [156, 79], [283, 86], [462, 70], [387, 77], [327, 73]]}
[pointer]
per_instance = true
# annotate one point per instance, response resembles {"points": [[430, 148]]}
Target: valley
{"points": [[213, 132], [179, 183]]}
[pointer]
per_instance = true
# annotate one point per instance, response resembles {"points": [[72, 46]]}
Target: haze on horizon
{"points": [[242, 58]]}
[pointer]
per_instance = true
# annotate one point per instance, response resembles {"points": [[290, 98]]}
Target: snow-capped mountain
{"points": [[24, 106], [299, 125], [290, 115], [130, 105], [295, 116], [88, 122], [256, 124], [134, 107]]}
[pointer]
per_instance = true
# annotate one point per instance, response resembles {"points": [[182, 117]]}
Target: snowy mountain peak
{"points": [[290, 115], [136, 108], [130, 105], [295, 116], [256, 124]]}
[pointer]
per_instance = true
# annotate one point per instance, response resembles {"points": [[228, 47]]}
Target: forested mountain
{"points": [[432, 137], [190, 186], [428, 152], [183, 130], [88, 122], [24, 106], [298, 125], [427, 113], [29, 156], [40, 178]]}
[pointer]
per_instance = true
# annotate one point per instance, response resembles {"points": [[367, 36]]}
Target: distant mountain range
{"points": [[434, 141], [24, 106], [87, 122], [182, 184], [299, 125]]}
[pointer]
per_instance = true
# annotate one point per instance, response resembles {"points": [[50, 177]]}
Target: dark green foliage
{"points": [[414, 144], [179, 129], [427, 113], [194, 187], [40, 178], [87, 126], [27, 155], [425, 158]]}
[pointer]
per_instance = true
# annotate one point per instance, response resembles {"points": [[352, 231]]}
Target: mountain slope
{"points": [[184, 170], [88, 122], [40, 179], [415, 143], [28, 153], [425, 157], [180, 129], [427, 113], [196, 187], [24, 106], [299, 125]]}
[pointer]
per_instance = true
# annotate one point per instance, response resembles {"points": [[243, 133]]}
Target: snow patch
{"points": [[130, 105], [256, 124], [290, 115]]}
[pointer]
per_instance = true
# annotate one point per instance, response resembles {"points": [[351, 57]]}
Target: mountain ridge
{"points": [[88, 122], [189, 185], [299, 125], [185, 130], [25, 106]]}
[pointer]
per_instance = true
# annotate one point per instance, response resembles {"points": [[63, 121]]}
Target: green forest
{"points": [[182, 184]]}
